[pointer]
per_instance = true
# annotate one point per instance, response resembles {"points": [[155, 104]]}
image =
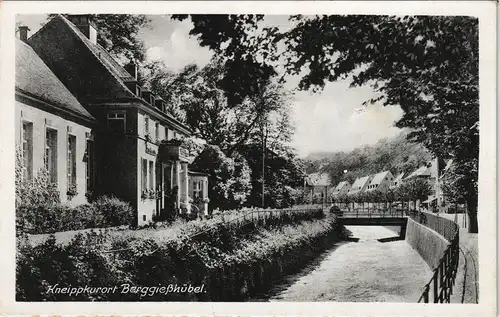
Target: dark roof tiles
{"points": [[34, 77]]}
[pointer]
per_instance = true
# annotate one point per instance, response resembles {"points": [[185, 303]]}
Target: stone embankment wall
{"points": [[428, 243]]}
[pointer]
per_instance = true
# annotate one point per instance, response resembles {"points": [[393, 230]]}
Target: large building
{"points": [[139, 156], [53, 130]]}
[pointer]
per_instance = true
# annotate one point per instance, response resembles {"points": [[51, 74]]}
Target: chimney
{"points": [[23, 33], [84, 23], [131, 68]]}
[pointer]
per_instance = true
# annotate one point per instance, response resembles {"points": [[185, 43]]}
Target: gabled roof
{"points": [[341, 185], [360, 182], [99, 51], [35, 78], [84, 67], [421, 171], [399, 177], [318, 179], [197, 173], [379, 177], [87, 69]]}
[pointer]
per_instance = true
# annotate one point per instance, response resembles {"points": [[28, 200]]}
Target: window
{"points": [[89, 165], [116, 121], [150, 172], [144, 174], [51, 153], [166, 133], [146, 125], [157, 131], [71, 159], [27, 150], [197, 189]]}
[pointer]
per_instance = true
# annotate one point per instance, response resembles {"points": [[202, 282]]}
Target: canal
{"points": [[363, 271]]}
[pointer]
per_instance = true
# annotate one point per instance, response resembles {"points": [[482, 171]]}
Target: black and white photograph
{"points": [[256, 158]]}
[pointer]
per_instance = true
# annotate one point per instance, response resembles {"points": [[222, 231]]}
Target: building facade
{"points": [[318, 184], [360, 185], [140, 156], [341, 189], [381, 182], [431, 173], [398, 180], [53, 130]]}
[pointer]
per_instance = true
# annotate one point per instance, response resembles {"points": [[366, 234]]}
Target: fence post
{"points": [[435, 285], [426, 294]]}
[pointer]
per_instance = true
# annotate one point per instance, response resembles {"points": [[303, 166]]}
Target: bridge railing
{"points": [[371, 213], [440, 287]]}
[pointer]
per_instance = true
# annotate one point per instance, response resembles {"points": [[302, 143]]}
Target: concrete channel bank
{"points": [[428, 243]]}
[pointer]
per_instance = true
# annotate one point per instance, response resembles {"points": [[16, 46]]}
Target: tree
{"points": [[118, 34], [426, 64], [229, 178], [194, 96], [246, 76], [282, 170], [261, 124], [177, 89], [414, 190]]}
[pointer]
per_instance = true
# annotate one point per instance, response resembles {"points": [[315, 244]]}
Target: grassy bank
{"points": [[227, 264]]}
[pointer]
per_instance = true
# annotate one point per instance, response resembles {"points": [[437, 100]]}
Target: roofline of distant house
{"points": [[53, 107], [145, 106]]}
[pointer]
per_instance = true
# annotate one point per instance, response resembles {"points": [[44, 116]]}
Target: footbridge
{"points": [[373, 218]]}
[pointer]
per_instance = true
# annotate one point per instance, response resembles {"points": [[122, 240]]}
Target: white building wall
{"points": [[41, 120], [146, 208]]}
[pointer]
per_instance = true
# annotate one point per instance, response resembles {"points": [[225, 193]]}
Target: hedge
{"points": [[49, 218], [231, 263]]}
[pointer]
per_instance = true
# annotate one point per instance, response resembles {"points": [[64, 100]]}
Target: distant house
{"points": [[341, 189], [423, 172], [360, 185], [431, 173], [398, 180], [318, 185], [381, 181]]}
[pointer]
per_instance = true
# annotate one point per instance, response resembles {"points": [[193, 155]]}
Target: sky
{"points": [[331, 120]]}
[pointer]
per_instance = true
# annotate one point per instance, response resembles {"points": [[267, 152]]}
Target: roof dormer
{"points": [[134, 87], [160, 104], [149, 97], [84, 23]]}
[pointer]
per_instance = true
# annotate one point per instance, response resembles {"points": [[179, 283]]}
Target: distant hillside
{"points": [[395, 154]]}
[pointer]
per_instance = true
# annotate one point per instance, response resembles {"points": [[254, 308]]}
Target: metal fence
{"points": [[262, 217], [440, 287], [445, 227], [371, 213], [258, 217]]}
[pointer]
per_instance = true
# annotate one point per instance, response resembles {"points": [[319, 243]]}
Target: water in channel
{"points": [[363, 271]]}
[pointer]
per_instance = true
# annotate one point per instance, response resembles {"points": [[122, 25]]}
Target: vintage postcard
{"points": [[249, 158]]}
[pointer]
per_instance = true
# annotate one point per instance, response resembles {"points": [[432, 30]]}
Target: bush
{"points": [[114, 211], [101, 213]]}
